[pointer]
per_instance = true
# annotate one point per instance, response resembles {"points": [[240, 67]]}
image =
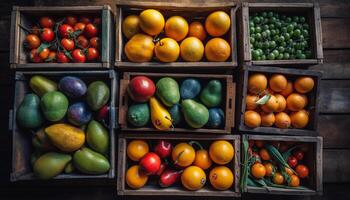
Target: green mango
{"points": [[34, 156], [211, 95], [50, 164], [69, 168], [168, 91], [41, 85], [90, 162], [97, 137], [176, 115], [138, 114], [97, 95], [54, 105], [196, 114], [28, 113], [41, 141]]}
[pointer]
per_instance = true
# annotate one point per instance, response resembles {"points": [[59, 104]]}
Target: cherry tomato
{"points": [[78, 56], [90, 30], [302, 171], [71, 20], [34, 56], [62, 58], [46, 22], [79, 26], [82, 42], [92, 54], [67, 44], [36, 30], [97, 21], [47, 35], [85, 20], [298, 154], [32, 41], [64, 30], [95, 42], [44, 54], [150, 163], [292, 161], [52, 56]]}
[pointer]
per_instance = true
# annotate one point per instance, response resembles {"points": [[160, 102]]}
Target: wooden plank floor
{"points": [[334, 117]]}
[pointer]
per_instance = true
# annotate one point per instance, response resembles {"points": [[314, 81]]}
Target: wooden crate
{"points": [[152, 189], [21, 140], [312, 14], [311, 129], [313, 160], [228, 103], [25, 17], [190, 11]]}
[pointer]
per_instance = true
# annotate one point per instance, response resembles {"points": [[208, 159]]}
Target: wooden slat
{"points": [[334, 8], [336, 33], [334, 70], [337, 56], [335, 96], [335, 130], [336, 165]]}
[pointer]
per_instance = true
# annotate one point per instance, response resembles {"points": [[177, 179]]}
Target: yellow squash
{"points": [[65, 137], [161, 118]]}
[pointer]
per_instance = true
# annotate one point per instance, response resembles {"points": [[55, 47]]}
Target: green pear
{"points": [[196, 114], [90, 162], [50, 164]]}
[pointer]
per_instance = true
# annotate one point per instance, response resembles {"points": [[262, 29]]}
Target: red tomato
{"points": [[95, 42], [92, 54], [90, 30], [292, 161], [163, 148], [302, 171], [34, 56], [97, 21], [67, 44], [82, 42], [161, 168], [64, 30], [79, 26], [52, 56], [85, 20], [32, 41], [141, 88], [150, 163], [298, 154], [46, 22], [44, 53], [62, 58], [71, 20], [47, 35], [103, 113], [78, 56]]}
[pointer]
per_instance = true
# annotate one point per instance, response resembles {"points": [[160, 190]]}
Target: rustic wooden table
{"points": [[333, 120]]}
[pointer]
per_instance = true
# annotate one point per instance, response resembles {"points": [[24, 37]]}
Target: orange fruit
{"points": [[202, 159], [282, 103], [176, 27], [257, 83], [282, 120], [294, 181], [139, 48], [167, 50], [191, 49], [193, 178], [131, 26], [151, 22], [217, 23], [258, 170], [302, 171], [251, 102], [259, 143], [221, 152], [304, 84], [217, 50], [183, 154], [278, 178], [197, 30], [221, 178], [271, 105], [267, 119], [134, 178], [252, 119], [305, 98], [288, 171], [299, 119], [295, 102], [264, 154], [288, 90], [278, 82], [269, 169], [137, 149]]}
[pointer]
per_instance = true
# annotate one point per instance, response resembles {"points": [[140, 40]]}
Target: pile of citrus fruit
{"points": [[180, 164], [150, 35], [277, 101], [266, 164]]}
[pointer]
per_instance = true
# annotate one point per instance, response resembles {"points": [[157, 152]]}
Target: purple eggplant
{"points": [[72, 86], [79, 114]]}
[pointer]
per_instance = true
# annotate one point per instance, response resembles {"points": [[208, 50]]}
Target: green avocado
{"points": [[168, 91], [50, 164], [90, 162], [211, 94], [28, 113], [138, 114], [54, 105], [97, 137], [41, 85], [97, 95], [196, 114]]}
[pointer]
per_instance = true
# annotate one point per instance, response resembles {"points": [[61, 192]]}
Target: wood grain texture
{"points": [[335, 96], [339, 38], [336, 165], [335, 130], [336, 9]]}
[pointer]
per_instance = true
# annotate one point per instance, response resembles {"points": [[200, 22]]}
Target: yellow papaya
{"points": [[161, 118], [65, 137]]}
